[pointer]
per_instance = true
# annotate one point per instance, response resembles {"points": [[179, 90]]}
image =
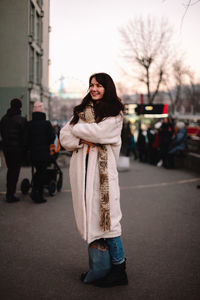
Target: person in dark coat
{"points": [[141, 142], [178, 144], [151, 134], [166, 133], [131, 145], [13, 132], [40, 135]]}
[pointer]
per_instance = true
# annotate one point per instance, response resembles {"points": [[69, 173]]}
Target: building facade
{"points": [[24, 53]]}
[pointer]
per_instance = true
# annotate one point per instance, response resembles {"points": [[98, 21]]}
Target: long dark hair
{"points": [[109, 105]]}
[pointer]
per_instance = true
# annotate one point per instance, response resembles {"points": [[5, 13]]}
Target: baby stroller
{"points": [[53, 175]]}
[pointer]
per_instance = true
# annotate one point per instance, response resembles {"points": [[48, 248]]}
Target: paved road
{"points": [[42, 254]]}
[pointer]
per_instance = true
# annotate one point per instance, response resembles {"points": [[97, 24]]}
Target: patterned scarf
{"points": [[88, 115]]}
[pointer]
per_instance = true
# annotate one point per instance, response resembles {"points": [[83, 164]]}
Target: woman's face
{"points": [[96, 89]]}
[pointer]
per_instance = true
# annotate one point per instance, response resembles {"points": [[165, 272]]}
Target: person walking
{"points": [[13, 132], [166, 133], [94, 136], [41, 135], [142, 145], [131, 145]]}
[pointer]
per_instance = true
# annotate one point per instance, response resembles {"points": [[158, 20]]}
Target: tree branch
{"points": [[187, 7]]}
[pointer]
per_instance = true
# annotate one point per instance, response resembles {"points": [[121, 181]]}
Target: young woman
{"points": [[94, 135]]}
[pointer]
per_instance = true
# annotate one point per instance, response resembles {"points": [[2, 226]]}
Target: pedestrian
{"points": [[178, 144], [151, 133], [166, 133], [131, 145], [156, 144], [13, 132], [41, 135], [142, 145], [94, 135]]}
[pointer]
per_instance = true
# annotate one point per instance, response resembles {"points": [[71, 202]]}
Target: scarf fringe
{"points": [[105, 222]]}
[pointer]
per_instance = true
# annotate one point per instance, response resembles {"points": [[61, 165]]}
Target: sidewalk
{"points": [[42, 254]]}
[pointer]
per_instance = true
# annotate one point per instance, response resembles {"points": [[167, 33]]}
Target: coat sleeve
{"points": [[51, 133], [107, 131], [68, 140]]}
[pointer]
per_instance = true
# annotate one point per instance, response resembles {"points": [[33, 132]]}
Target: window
{"points": [[41, 31], [32, 20], [38, 68], [38, 29], [31, 64]]}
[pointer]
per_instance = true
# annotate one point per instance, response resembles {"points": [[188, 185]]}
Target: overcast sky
{"points": [[85, 34]]}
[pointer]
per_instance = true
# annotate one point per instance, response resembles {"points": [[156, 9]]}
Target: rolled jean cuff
{"points": [[116, 249], [118, 262]]}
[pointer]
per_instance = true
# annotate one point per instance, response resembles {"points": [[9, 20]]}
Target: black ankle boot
{"points": [[11, 199], [34, 194], [116, 276], [37, 196]]}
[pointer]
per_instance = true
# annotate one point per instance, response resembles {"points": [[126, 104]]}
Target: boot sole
{"points": [[110, 285]]}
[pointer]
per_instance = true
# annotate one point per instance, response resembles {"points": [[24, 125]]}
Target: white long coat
{"points": [[86, 200]]}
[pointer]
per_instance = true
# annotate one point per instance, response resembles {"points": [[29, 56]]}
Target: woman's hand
{"points": [[82, 141]]}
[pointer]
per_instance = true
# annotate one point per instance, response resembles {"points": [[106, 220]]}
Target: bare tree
{"points": [[177, 78], [146, 50], [180, 84], [187, 5], [191, 94]]}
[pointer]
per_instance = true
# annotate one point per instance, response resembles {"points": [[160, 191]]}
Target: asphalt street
{"points": [[42, 254]]}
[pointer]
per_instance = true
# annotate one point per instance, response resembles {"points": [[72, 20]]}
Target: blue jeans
{"points": [[116, 249]]}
